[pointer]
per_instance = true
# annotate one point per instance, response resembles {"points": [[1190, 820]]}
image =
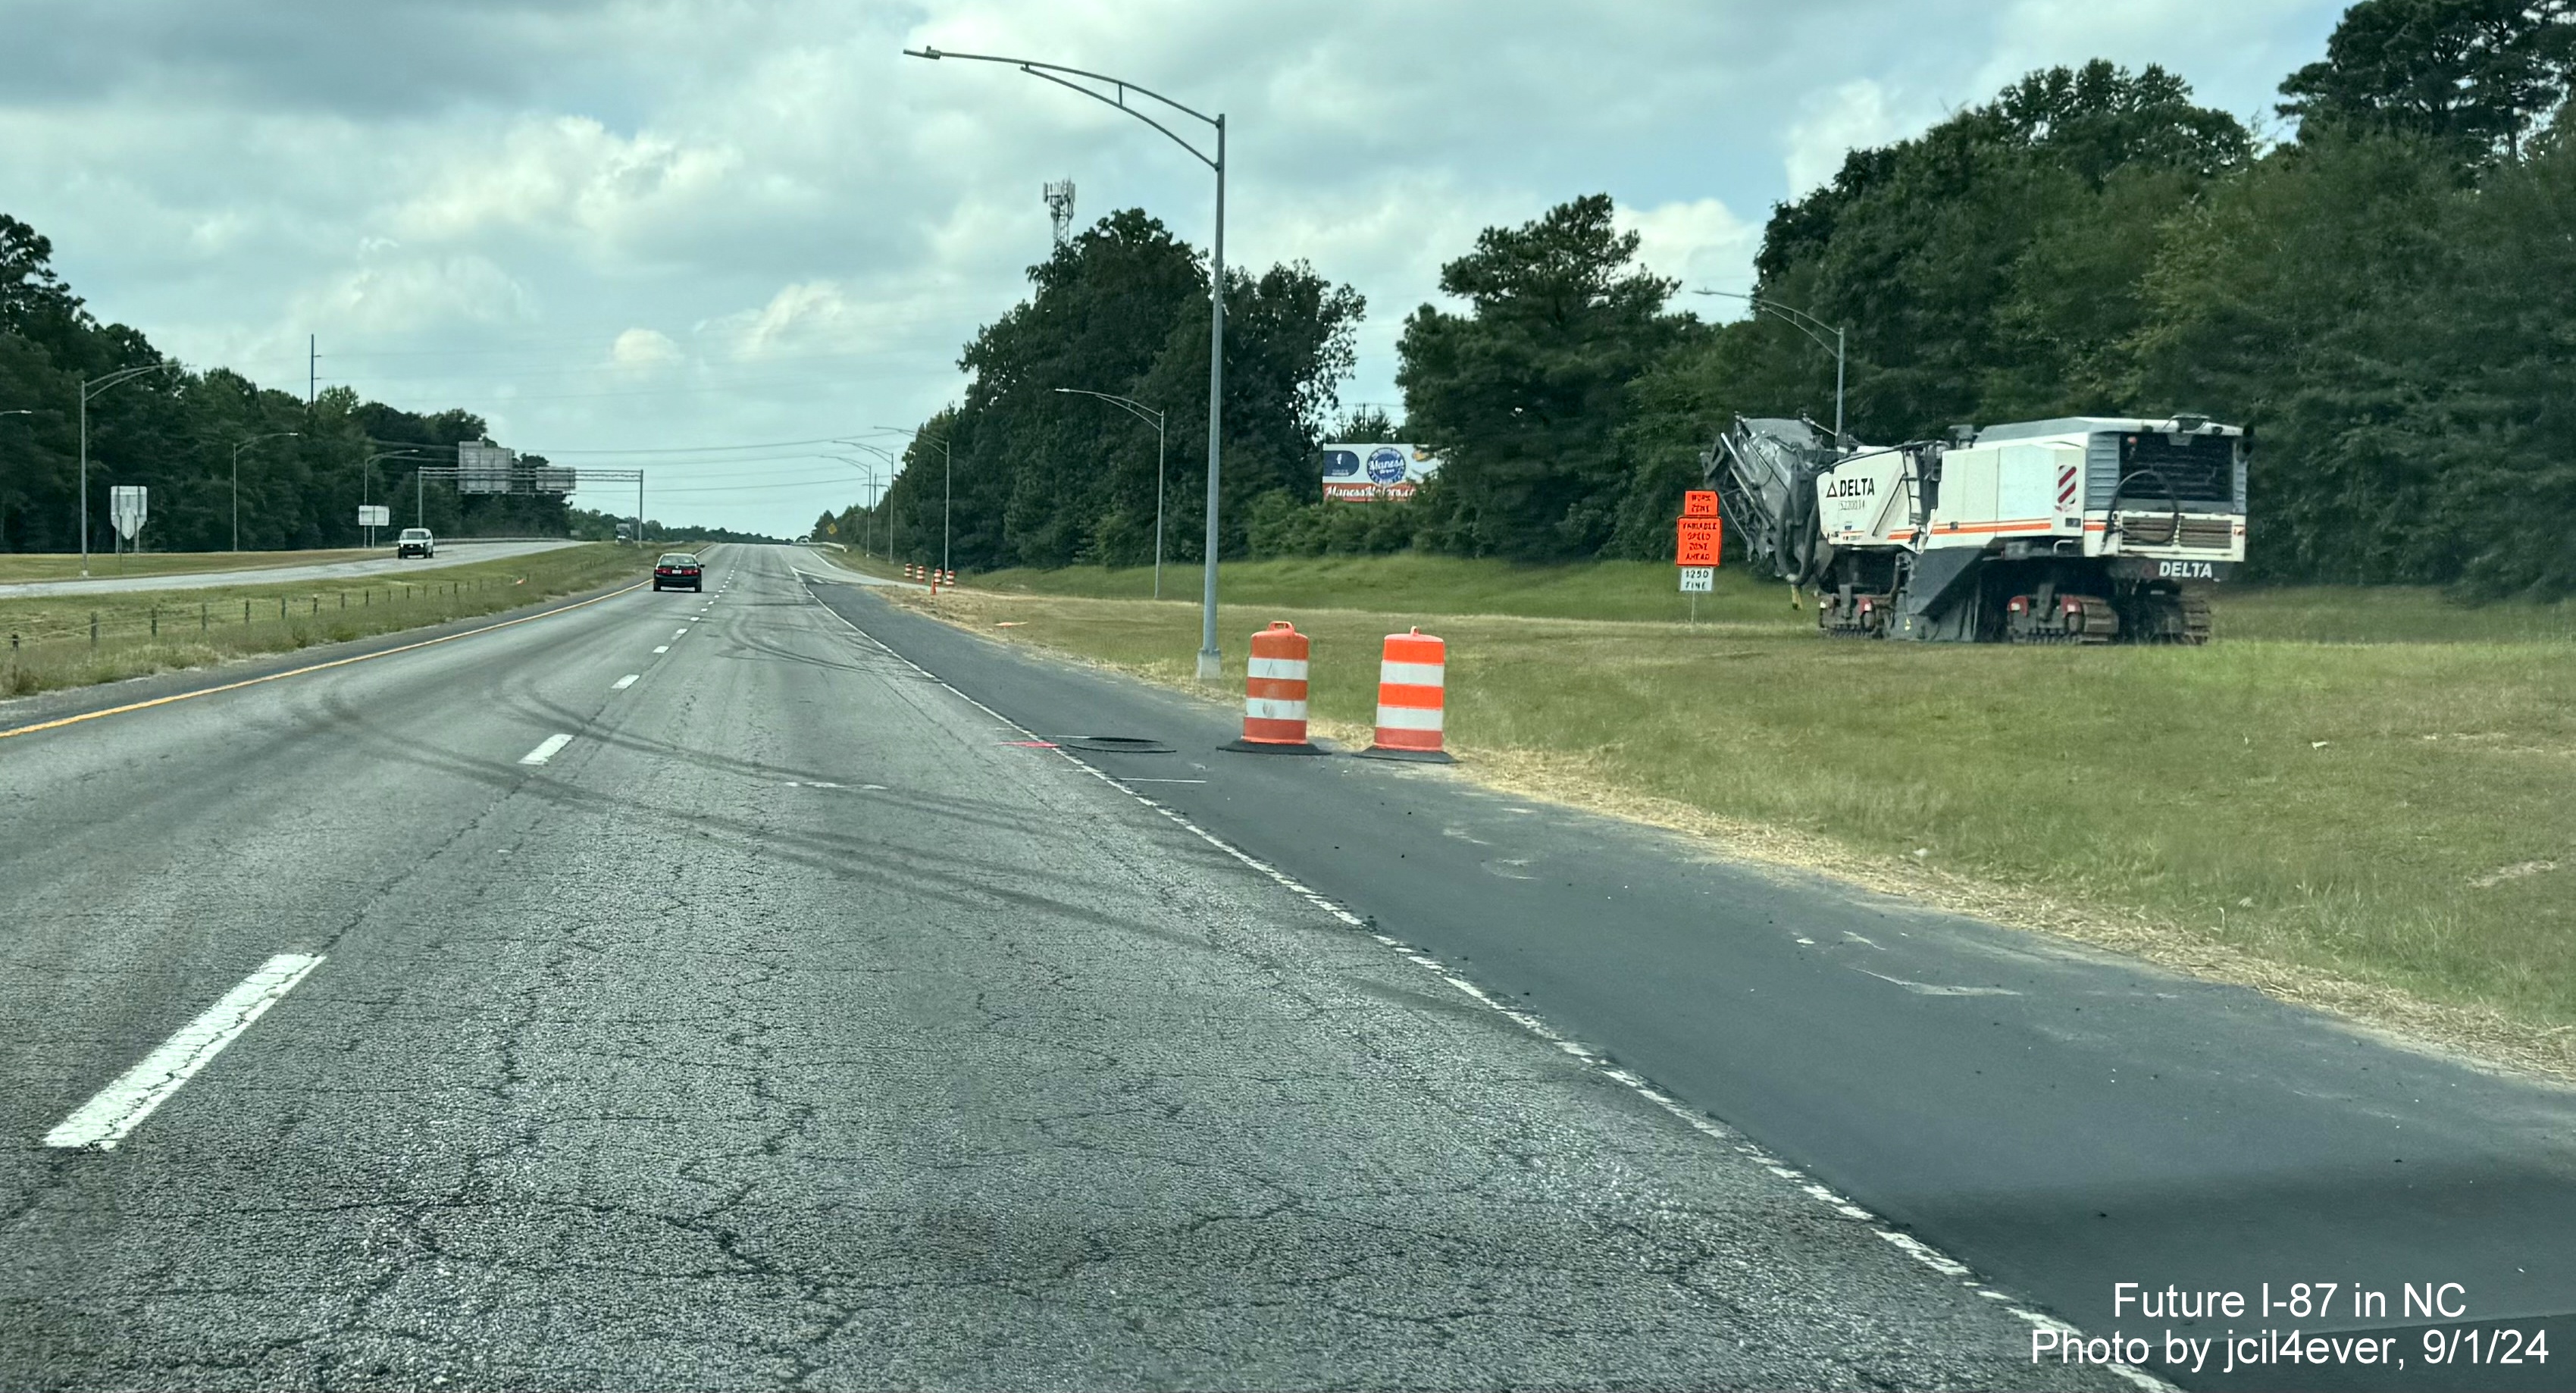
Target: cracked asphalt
{"points": [[798, 1025]]}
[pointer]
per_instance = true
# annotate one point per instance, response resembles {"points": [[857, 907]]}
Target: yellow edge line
{"points": [[316, 667]]}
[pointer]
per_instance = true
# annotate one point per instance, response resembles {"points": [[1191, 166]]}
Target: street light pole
{"points": [[89, 389], [876, 490], [237, 449], [1808, 325], [947, 482], [1145, 413], [367, 474], [1209, 658]]}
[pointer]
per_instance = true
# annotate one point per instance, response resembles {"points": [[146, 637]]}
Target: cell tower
{"points": [[1059, 201]]}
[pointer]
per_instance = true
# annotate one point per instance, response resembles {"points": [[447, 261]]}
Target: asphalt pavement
{"points": [[107, 581], [692, 992], [2058, 1120]]}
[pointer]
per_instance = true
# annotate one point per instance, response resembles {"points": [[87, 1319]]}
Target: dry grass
{"points": [[2382, 829]]}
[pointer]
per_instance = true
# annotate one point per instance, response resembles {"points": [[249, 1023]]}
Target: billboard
{"points": [[1371, 472], [483, 467]]}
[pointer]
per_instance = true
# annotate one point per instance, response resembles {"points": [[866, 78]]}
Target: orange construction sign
{"points": [[1697, 541], [1699, 503]]}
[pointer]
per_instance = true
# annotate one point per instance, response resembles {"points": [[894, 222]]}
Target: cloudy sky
{"points": [[699, 235]]}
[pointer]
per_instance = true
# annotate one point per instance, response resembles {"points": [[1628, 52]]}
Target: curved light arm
{"points": [[100, 384], [1791, 315], [1116, 97], [1132, 407], [273, 435], [939, 440]]}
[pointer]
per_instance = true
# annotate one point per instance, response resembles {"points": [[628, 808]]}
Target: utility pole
{"points": [[947, 484], [312, 366]]}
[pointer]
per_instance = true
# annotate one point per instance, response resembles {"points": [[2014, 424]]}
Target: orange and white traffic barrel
{"points": [[1412, 692], [1274, 694]]}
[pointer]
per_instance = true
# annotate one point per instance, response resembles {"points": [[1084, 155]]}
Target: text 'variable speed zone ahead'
{"points": [[1696, 541]]}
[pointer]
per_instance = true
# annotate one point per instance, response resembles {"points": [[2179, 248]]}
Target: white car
{"points": [[415, 541]]}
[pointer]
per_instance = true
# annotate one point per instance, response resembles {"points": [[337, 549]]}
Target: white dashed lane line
{"points": [[665, 648], [621, 684], [553, 745], [104, 1120]]}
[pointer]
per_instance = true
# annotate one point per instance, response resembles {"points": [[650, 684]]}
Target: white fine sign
{"points": [[127, 505], [1698, 580]]}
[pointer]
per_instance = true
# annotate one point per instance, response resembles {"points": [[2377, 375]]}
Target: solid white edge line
{"points": [[621, 684], [1922, 1252], [552, 746], [103, 1121]]}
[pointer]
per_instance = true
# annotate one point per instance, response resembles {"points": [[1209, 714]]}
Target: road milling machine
{"points": [[2084, 529]]}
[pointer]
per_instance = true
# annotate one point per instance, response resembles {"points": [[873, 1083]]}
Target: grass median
{"points": [[2359, 798], [71, 641], [30, 566]]}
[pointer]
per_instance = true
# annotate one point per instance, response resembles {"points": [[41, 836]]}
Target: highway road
{"points": [[2059, 1120], [449, 554], [686, 992]]}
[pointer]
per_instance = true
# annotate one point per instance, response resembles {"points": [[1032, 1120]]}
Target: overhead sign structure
{"points": [[1364, 472], [1699, 580], [127, 506], [375, 515], [1696, 541]]}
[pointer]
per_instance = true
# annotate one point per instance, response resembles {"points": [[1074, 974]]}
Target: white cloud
{"points": [[1696, 243], [643, 348], [1851, 116], [781, 229]]}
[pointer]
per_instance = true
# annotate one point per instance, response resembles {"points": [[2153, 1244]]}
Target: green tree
{"points": [[1524, 394], [2476, 75]]}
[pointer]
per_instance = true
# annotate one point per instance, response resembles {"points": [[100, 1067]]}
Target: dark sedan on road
{"points": [[679, 570]]}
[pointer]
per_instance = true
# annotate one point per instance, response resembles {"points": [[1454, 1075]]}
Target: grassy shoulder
{"points": [[1647, 590], [51, 644], [30, 566], [2386, 826]]}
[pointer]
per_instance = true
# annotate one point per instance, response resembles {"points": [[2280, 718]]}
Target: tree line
{"points": [[2385, 297], [303, 466]]}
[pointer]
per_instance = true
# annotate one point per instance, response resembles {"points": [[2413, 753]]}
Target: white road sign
{"points": [[1698, 580], [127, 505], [375, 515]]}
